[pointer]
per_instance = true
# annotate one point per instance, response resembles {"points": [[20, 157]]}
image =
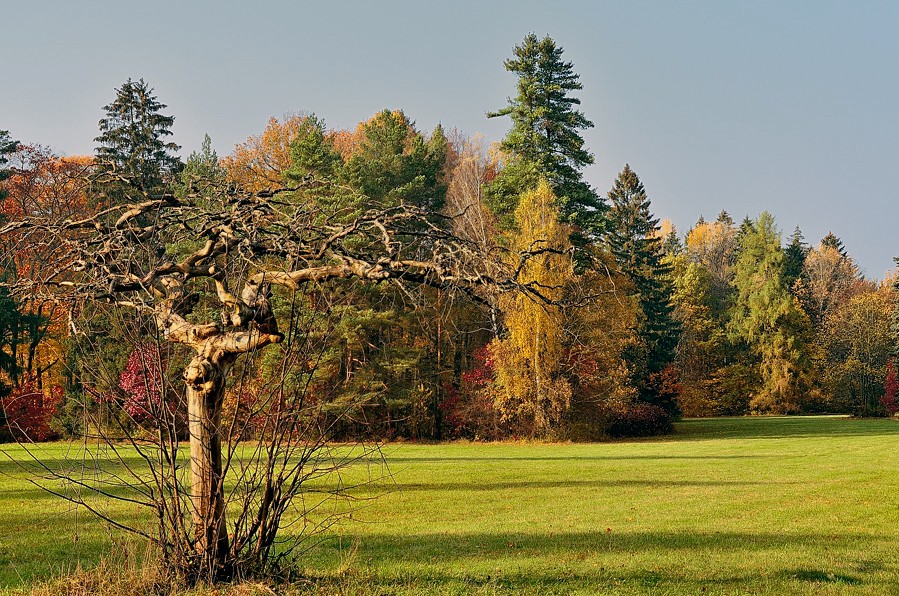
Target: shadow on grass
{"points": [[782, 427], [549, 580], [538, 484], [559, 559], [822, 577], [422, 548], [561, 458]]}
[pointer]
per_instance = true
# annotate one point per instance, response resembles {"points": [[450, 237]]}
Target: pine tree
{"points": [[545, 140], [794, 258], [831, 240], [638, 251], [7, 146], [132, 145], [394, 163], [312, 155], [202, 168]]}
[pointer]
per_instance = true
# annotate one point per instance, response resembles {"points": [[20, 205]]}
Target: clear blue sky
{"points": [[790, 107]]}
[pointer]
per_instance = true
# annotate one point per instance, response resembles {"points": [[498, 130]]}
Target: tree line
{"points": [[629, 324]]}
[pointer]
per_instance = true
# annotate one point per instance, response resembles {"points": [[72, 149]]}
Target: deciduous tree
{"points": [[174, 261], [258, 164], [828, 279], [533, 394], [857, 344], [767, 318]]}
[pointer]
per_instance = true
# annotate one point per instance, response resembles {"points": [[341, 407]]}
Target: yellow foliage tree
{"points": [[714, 245], [533, 393]]}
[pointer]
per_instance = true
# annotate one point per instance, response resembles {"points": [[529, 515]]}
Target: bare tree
{"points": [[171, 262]]}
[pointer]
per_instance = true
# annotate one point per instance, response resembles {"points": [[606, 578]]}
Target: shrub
{"points": [[146, 395], [27, 411], [639, 420], [468, 409]]}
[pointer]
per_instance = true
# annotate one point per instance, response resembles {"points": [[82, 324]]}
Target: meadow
{"points": [[758, 505]]}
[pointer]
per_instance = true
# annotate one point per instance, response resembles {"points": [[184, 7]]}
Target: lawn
{"points": [[726, 506]]}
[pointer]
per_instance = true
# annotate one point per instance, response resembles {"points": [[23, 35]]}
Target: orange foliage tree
{"points": [[53, 186], [258, 164]]}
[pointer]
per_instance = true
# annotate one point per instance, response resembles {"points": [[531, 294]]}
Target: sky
{"points": [[786, 106]]}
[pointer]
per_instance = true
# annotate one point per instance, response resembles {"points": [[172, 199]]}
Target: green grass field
{"points": [[726, 506]]}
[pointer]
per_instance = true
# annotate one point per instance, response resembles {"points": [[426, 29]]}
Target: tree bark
{"points": [[205, 393]]}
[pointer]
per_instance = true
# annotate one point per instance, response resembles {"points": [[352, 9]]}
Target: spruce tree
{"points": [[634, 242], [132, 144], [794, 258], [725, 218], [545, 140], [7, 146], [831, 240]]}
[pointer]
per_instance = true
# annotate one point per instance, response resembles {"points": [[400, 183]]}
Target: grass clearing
{"points": [[726, 506]]}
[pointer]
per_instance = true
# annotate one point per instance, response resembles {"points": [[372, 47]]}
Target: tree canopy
{"points": [[545, 139]]}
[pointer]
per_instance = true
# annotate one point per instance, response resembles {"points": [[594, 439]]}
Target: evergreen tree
{"points": [[132, 144], [394, 163], [725, 218], [202, 168], [671, 243], [794, 258], [7, 146], [311, 153], [638, 251], [386, 364], [545, 140], [831, 240]]}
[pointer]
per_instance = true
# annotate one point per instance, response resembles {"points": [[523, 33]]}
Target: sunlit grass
{"points": [[729, 506]]}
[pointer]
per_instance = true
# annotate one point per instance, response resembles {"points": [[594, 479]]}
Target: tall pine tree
{"points": [[7, 146], [132, 144], [833, 241], [794, 258], [634, 241], [545, 140]]}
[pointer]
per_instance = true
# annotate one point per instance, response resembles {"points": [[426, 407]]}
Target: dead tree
{"points": [[160, 256]]}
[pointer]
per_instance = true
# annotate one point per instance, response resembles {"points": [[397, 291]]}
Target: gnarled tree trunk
{"points": [[205, 392]]}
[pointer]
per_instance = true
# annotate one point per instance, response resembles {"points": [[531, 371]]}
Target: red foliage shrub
{"points": [[468, 409], [639, 420], [142, 383], [27, 412], [144, 395]]}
